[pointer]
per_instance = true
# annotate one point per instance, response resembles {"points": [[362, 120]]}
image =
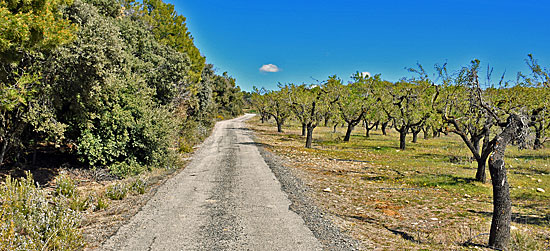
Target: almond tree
{"points": [[278, 105], [350, 101], [514, 128], [461, 110], [259, 102], [536, 97], [309, 105], [409, 104]]}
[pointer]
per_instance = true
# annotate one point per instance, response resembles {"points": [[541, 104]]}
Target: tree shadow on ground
{"points": [[402, 234], [255, 144], [521, 219], [359, 217], [531, 157]]}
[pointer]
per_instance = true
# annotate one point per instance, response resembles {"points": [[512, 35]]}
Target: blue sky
{"points": [[310, 40]]}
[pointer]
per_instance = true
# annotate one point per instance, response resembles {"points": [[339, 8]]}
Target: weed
{"points": [[101, 204], [65, 186], [524, 241], [116, 191], [139, 186]]}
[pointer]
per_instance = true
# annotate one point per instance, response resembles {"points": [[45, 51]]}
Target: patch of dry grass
{"points": [[415, 199]]}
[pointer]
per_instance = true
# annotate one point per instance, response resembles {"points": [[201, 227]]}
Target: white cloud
{"points": [[366, 74], [269, 68]]}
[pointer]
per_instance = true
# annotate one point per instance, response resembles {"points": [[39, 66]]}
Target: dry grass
{"points": [[414, 199]]}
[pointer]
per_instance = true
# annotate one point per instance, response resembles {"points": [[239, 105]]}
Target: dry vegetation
{"points": [[100, 201], [423, 198]]}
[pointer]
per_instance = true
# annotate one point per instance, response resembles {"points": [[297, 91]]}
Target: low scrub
{"points": [[29, 220]]}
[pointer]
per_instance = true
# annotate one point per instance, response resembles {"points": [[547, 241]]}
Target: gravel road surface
{"points": [[226, 199]]}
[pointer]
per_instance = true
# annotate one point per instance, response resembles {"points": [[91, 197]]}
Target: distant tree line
{"points": [[118, 84], [487, 117]]}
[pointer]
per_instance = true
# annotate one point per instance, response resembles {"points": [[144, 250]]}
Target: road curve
{"points": [[226, 199]]}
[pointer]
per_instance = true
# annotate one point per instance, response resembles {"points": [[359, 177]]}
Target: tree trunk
{"points": [[402, 138], [3, 151], [435, 133], [384, 126], [334, 128], [415, 135], [279, 126], [502, 208], [348, 133], [425, 131], [368, 129], [303, 129], [499, 236], [326, 120], [480, 173], [538, 135], [475, 142], [309, 137]]}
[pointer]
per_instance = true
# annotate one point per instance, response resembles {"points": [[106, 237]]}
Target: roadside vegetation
{"points": [[98, 101], [422, 198]]}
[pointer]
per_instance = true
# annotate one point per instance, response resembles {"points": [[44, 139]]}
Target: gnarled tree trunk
{"points": [[309, 137], [403, 137], [502, 209], [348, 132], [384, 126]]}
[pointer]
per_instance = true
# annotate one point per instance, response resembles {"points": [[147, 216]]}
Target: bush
{"points": [[29, 221]]}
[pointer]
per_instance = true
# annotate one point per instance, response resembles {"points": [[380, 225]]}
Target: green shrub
{"points": [[101, 204], [116, 191], [184, 146], [29, 221], [65, 186], [78, 203], [127, 168], [139, 186]]}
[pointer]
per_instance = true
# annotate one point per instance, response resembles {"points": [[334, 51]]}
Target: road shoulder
{"points": [[315, 219]]}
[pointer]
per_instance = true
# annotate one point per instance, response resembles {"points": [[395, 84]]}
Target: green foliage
{"points": [[28, 30], [278, 105], [101, 204], [117, 191], [29, 26], [170, 29], [65, 186], [30, 221], [139, 185], [259, 102], [125, 88]]}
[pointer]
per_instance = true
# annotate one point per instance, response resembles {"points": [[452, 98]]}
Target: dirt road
{"points": [[226, 199]]}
